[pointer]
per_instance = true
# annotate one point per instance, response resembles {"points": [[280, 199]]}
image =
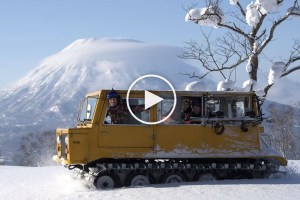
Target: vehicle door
{"points": [[130, 133]]}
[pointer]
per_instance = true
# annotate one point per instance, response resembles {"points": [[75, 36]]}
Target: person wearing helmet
{"points": [[113, 98], [117, 110]]}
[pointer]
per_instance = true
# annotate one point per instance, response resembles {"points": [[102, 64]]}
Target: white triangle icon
{"points": [[151, 99]]}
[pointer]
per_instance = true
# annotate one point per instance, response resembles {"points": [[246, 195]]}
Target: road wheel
{"points": [[139, 180], [206, 177], [106, 181], [174, 178]]}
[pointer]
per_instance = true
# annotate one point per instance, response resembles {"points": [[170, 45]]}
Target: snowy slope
{"points": [[18, 183], [49, 96]]}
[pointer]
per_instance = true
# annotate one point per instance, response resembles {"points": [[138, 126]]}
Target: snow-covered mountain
{"points": [[49, 96]]}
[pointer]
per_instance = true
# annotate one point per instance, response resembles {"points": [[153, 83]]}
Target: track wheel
{"points": [[207, 177], [174, 178], [276, 175], [139, 180], [106, 181]]}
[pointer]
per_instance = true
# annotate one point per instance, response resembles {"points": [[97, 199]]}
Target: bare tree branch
{"points": [[241, 9], [196, 76], [224, 54], [234, 29], [275, 25]]}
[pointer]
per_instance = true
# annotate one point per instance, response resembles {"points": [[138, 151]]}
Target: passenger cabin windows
{"points": [[165, 107], [119, 114], [226, 106], [189, 110]]}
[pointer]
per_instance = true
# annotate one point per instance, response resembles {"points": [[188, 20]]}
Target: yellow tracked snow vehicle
{"points": [[223, 141]]}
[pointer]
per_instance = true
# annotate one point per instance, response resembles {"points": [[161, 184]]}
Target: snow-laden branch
{"points": [[281, 69], [208, 16], [233, 2], [212, 15], [276, 24], [230, 52], [267, 6]]}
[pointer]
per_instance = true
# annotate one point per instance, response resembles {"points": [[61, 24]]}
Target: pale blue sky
{"points": [[34, 29]]}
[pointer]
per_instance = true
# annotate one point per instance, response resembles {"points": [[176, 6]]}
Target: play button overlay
{"points": [[150, 98]]}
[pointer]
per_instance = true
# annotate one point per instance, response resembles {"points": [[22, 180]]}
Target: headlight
{"points": [[67, 140], [58, 140]]}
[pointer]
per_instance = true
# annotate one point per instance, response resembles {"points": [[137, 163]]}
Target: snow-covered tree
{"points": [[36, 149], [250, 29], [282, 131]]}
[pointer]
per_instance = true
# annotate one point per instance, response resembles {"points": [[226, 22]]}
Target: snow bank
{"points": [[275, 72], [208, 16], [202, 85], [227, 85], [56, 183]]}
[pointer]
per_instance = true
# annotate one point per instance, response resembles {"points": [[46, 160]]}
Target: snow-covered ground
{"points": [[57, 183]]}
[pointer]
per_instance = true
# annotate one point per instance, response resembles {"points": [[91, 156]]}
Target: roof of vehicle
{"points": [[178, 92]]}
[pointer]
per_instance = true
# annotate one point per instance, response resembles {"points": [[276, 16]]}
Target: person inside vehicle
{"points": [[117, 110], [196, 112], [186, 111]]}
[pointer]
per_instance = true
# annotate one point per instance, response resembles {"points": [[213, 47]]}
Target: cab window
{"points": [[119, 114], [165, 107], [87, 109]]}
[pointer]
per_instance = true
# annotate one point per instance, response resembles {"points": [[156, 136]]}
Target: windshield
{"points": [[87, 109]]}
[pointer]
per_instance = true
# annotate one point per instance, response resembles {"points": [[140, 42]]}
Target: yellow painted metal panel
{"points": [[97, 140], [125, 136]]}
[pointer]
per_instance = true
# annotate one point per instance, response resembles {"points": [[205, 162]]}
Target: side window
{"points": [[119, 114], [239, 106], [165, 107], [228, 107], [188, 110], [192, 112], [137, 106]]}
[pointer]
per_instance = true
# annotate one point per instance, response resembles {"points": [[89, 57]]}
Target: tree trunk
{"points": [[254, 67]]}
